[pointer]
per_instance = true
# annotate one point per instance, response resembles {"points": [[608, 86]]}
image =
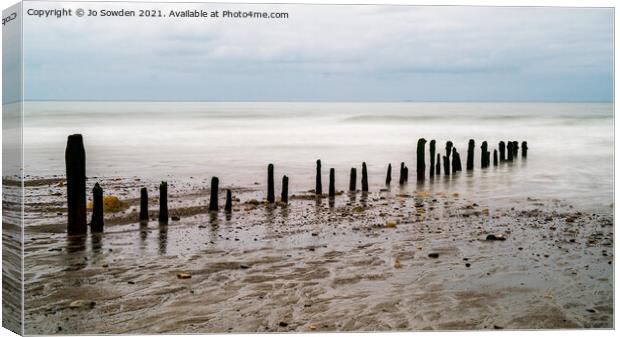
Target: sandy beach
{"points": [[384, 261]]}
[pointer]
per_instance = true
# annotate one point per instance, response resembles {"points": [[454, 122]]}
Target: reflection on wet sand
{"points": [[163, 239], [76, 243]]}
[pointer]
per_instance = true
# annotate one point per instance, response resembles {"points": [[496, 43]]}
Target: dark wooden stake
{"points": [[470, 154], [271, 194], [495, 157], [319, 185], [438, 165], [446, 158], [353, 180], [515, 148], [456, 161], [432, 157], [364, 178], [163, 203], [144, 205], [420, 159], [406, 174], [509, 151], [96, 223], [484, 155], [332, 182], [524, 149], [215, 185], [388, 178], [401, 174], [75, 162], [228, 205], [502, 151], [284, 196]]}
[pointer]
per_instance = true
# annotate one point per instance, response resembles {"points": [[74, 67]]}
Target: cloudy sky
{"points": [[324, 53]]}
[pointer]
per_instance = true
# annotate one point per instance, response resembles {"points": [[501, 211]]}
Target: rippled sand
{"points": [[315, 265]]}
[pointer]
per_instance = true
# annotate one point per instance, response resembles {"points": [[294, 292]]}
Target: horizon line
{"points": [[307, 101]]}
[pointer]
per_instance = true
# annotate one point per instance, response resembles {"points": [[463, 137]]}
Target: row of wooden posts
{"points": [[75, 160]]}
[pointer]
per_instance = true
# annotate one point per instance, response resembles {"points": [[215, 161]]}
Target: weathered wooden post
{"points": [[75, 163], [271, 194], [332, 183], [438, 165], [446, 166], [509, 151], [420, 159], [144, 205], [484, 156], [364, 178], [353, 180], [215, 185], [454, 158], [96, 223], [284, 196], [456, 161], [163, 203], [319, 185], [401, 174], [524, 149], [228, 205], [446, 158], [406, 174], [488, 157], [515, 148], [470, 154], [388, 178], [494, 157], [502, 151], [432, 157]]}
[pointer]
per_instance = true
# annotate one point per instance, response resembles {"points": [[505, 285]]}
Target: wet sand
{"points": [[11, 258], [382, 261]]}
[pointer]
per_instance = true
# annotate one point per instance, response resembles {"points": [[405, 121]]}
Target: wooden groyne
{"points": [[163, 203], [75, 160]]}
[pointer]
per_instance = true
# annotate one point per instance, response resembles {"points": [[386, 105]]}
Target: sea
{"points": [[570, 156]]}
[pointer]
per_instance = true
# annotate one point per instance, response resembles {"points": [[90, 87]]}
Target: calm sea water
{"points": [[570, 156]]}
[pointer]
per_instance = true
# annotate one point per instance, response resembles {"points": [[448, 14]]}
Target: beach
{"points": [[364, 262], [525, 244]]}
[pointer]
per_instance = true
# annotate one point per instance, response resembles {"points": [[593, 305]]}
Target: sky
{"points": [[324, 53]]}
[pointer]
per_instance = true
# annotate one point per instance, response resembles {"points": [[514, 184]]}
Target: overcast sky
{"points": [[325, 53]]}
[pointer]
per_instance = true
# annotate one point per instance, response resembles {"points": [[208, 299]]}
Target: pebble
{"points": [[184, 275], [433, 255]]}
